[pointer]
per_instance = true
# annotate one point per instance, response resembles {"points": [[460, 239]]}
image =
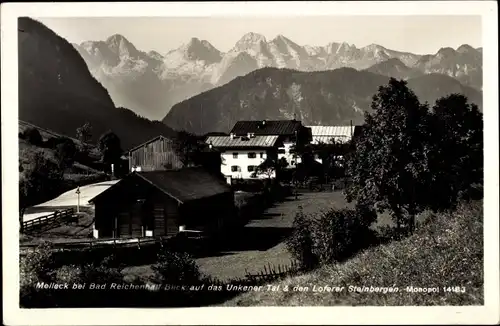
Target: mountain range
{"points": [[150, 83], [57, 91], [334, 97]]}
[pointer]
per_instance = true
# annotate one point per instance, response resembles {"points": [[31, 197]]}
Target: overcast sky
{"points": [[417, 34]]}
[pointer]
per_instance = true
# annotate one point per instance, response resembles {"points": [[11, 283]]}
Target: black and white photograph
{"points": [[341, 155]]}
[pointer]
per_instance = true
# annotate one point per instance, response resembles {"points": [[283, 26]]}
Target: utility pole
{"points": [[295, 161], [78, 203]]}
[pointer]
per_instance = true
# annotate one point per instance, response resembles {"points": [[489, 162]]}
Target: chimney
{"points": [[263, 122], [294, 117], [210, 145], [250, 135], [233, 136]]}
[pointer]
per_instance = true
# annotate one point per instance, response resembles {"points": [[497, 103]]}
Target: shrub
{"points": [[102, 274], [177, 268], [38, 265], [66, 152], [339, 234], [33, 136], [69, 274], [301, 244], [334, 236]]}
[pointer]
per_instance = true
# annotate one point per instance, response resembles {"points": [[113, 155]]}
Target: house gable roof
{"points": [[184, 184], [267, 127], [242, 142], [147, 142], [326, 133]]}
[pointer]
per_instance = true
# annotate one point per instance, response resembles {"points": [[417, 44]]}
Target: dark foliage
{"points": [[84, 133], [456, 152], [110, 147], [193, 151], [332, 236], [408, 159], [176, 268], [389, 167], [39, 179], [33, 136], [66, 152], [301, 244]]}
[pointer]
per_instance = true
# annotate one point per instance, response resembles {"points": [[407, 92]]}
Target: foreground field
{"points": [[445, 254]]}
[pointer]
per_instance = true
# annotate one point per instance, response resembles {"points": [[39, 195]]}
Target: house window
{"points": [[235, 155], [261, 155], [252, 155], [281, 151], [235, 168], [251, 168]]}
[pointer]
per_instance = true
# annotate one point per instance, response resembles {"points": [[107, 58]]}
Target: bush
{"points": [[38, 265], [335, 236], [176, 268], [301, 244], [102, 274], [66, 152], [69, 274], [33, 136]]}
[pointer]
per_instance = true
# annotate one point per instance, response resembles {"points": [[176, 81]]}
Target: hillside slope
{"points": [[446, 252], [57, 92], [316, 98]]}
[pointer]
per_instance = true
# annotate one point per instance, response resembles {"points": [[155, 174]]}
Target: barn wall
{"points": [[118, 214], [208, 214], [155, 155], [165, 212]]}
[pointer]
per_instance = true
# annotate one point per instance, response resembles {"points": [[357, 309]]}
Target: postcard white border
{"points": [[488, 314]]}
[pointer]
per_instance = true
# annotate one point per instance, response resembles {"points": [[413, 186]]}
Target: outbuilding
{"points": [[163, 203]]}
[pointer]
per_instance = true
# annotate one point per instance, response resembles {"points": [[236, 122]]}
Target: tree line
{"points": [[411, 157]]}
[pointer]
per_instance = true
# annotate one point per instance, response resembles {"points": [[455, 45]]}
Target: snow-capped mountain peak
{"points": [[198, 66], [249, 40], [120, 45], [197, 49]]}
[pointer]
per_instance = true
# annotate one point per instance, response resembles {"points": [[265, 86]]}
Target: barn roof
{"points": [[267, 127], [147, 142], [326, 133], [228, 141], [184, 184]]}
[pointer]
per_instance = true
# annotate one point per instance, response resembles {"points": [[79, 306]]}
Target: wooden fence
{"points": [[52, 219], [272, 273], [108, 242]]}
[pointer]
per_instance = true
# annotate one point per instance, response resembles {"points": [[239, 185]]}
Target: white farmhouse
{"points": [[289, 132], [240, 155]]}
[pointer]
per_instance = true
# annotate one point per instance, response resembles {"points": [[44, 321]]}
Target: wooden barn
{"points": [[163, 203], [154, 155]]}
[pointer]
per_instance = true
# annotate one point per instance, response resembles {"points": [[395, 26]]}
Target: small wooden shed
{"points": [[154, 155], [161, 203]]}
